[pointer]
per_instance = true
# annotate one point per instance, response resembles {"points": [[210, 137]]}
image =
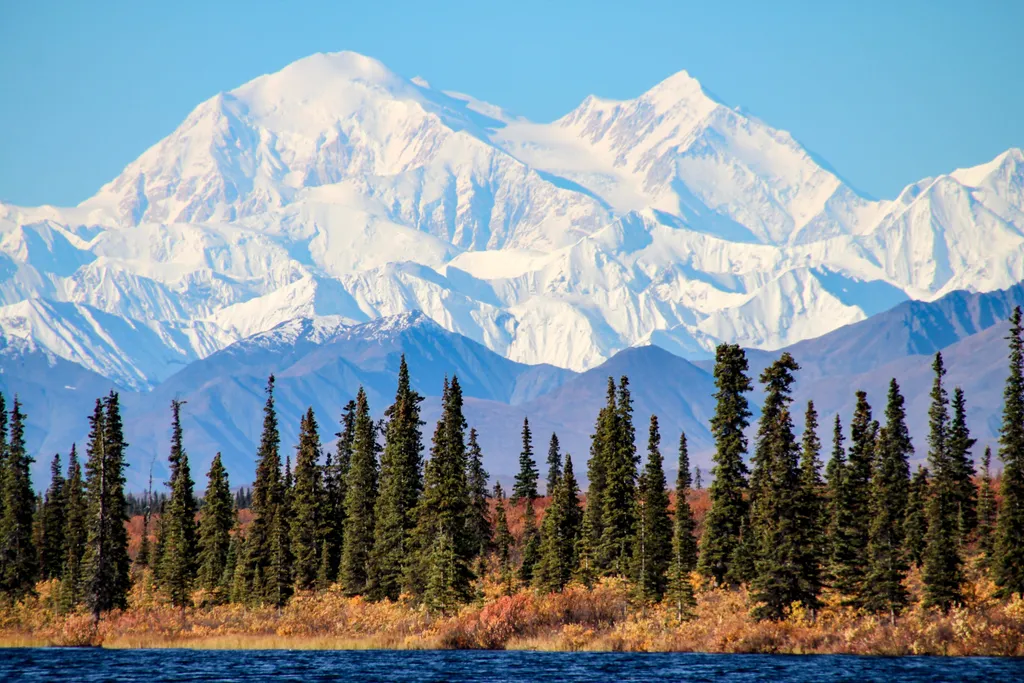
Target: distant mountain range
{"points": [[321, 363]]}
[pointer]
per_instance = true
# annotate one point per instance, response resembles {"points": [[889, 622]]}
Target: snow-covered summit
{"points": [[335, 190]]}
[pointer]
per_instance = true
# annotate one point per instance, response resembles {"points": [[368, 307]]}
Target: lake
{"points": [[364, 666]]}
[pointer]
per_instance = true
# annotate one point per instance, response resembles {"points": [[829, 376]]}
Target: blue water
{"points": [[367, 666]]}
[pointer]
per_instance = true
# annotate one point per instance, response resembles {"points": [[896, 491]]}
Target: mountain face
{"points": [[335, 189]]}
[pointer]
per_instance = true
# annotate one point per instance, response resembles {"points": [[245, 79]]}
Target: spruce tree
{"points": [[1008, 565], [530, 543], [52, 550], [618, 516], [962, 468], [401, 482], [479, 523], [698, 484], [942, 573], [728, 507], [307, 505], [526, 479], [554, 464], [593, 527], [360, 498], [560, 532], [502, 538], [811, 509], [215, 543], [74, 536], [268, 495], [883, 589], [105, 562], [986, 511], [335, 491], [652, 550], [776, 514], [915, 525], [684, 543], [18, 556], [178, 525]]}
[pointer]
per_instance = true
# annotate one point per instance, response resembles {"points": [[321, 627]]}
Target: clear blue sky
{"points": [[887, 92]]}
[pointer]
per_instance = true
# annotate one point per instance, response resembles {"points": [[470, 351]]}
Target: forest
{"points": [[377, 539]]}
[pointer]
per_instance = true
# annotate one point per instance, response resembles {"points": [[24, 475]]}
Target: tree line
{"points": [[372, 517]]}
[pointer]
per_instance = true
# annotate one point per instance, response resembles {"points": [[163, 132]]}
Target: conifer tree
{"points": [[811, 509], [554, 464], [18, 556], [105, 562], [231, 560], [1008, 565], [652, 550], [962, 468], [942, 570], [145, 549], [698, 484], [479, 523], [915, 525], [775, 516], [335, 490], [74, 536], [178, 525], [618, 516], [728, 507], [684, 543], [215, 543], [883, 589], [360, 499], [268, 494], [530, 543], [986, 511], [560, 532], [526, 479], [593, 527], [52, 549], [838, 513], [502, 538], [401, 482], [306, 505]]}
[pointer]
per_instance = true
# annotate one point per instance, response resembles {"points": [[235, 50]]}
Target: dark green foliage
{"points": [[775, 515], [105, 562], [883, 589], [526, 479], [335, 490], [811, 512], [215, 544], [530, 543], [942, 569], [962, 469], [360, 498], [600, 441], [915, 525], [986, 511], [74, 536], [18, 556], [479, 523], [401, 482], [53, 525], [178, 523], [560, 532], [652, 549], [840, 524], [684, 544], [307, 505], [554, 464], [698, 484], [851, 506], [618, 514], [728, 507], [502, 538], [1008, 566]]}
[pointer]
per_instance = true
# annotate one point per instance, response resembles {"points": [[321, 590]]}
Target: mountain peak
{"points": [[678, 87]]}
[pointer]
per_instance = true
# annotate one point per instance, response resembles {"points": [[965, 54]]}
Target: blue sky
{"points": [[888, 93]]}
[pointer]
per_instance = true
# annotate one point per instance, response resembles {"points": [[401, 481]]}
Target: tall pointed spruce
{"points": [[267, 500], [1008, 566], [962, 468], [915, 524], [52, 549], [618, 516], [74, 536], [526, 479], [307, 505], [560, 532], [215, 529], [684, 543], [335, 491], [554, 464], [178, 525], [17, 552], [360, 499], [986, 511], [652, 549], [593, 524], [479, 523], [811, 508]]}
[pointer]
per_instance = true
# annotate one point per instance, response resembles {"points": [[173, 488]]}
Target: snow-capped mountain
{"points": [[335, 188]]}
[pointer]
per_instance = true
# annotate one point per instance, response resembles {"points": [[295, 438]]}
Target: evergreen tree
{"points": [[74, 536], [618, 516], [215, 543], [962, 467], [883, 589], [526, 479], [697, 483], [840, 546], [684, 543], [52, 550], [915, 525], [502, 538], [145, 549], [1008, 566], [105, 562], [811, 512], [775, 516], [335, 490], [18, 556], [530, 543], [652, 550], [178, 524], [401, 482], [554, 464], [560, 532], [268, 498], [360, 498], [728, 507], [479, 523], [942, 573], [593, 526], [307, 505], [986, 511]]}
